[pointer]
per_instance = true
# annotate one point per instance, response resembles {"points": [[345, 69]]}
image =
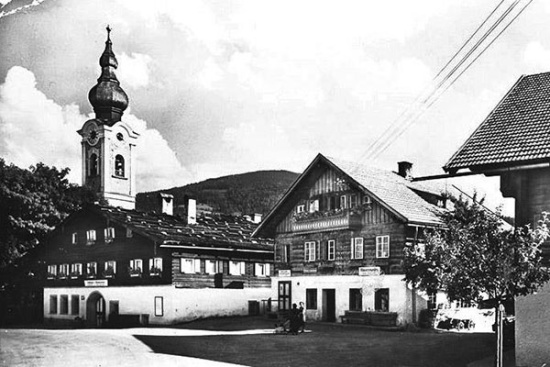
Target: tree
{"points": [[32, 203], [475, 255]]}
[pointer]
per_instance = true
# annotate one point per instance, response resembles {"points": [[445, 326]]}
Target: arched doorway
{"points": [[95, 310]]}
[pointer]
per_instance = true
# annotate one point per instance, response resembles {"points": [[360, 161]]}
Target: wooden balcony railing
{"points": [[334, 221]]}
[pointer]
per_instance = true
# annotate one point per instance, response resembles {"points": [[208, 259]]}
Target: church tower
{"points": [[108, 143]]}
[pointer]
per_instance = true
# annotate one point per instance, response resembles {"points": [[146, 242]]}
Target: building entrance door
{"points": [[95, 310], [285, 293], [329, 305]]}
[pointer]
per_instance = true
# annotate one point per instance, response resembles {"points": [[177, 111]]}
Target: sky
{"points": [[225, 87]]}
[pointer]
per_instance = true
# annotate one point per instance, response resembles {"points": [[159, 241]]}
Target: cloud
{"points": [[134, 69], [33, 128], [17, 10]]}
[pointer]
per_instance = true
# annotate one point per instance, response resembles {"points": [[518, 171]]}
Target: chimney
{"points": [[404, 169], [257, 218], [166, 203], [191, 211]]}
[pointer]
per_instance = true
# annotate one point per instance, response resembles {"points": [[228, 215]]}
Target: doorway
{"points": [[95, 310], [329, 305], [285, 293]]}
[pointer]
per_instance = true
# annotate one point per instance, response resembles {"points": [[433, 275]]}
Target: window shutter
{"points": [[352, 249], [305, 252], [318, 250], [268, 270]]}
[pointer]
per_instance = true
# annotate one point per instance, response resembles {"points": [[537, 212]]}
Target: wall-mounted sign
{"points": [[310, 271], [284, 273], [366, 271], [96, 283]]}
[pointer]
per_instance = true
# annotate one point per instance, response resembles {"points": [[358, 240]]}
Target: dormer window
{"points": [[300, 208], [313, 206], [119, 165]]}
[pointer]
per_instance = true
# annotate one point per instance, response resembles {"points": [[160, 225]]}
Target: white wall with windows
{"points": [[400, 296], [65, 304]]}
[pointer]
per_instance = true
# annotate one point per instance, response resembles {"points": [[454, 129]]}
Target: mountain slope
{"points": [[252, 192]]}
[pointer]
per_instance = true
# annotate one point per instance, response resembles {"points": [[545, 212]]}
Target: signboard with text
{"points": [[284, 273], [366, 271], [96, 283]]}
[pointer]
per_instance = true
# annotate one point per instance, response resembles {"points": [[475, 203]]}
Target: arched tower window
{"points": [[119, 165], [94, 165]]}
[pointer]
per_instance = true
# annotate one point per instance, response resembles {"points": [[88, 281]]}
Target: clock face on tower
{"points": [[92, 134]]}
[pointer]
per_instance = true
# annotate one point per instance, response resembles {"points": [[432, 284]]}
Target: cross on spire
{"points": [[109, 29]]}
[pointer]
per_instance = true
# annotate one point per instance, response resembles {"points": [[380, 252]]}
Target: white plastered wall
{"points": [[401, 296], [179, 304]]}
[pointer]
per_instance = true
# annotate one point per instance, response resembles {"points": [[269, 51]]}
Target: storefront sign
{"points": [[96, 283], [310, 271], [366, 271], [284, 273]]}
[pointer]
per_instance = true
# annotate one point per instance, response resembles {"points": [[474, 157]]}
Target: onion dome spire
{"points": [[107, 97]]}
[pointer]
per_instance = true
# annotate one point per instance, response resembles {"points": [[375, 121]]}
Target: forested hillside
{"points": [[252, 192]]}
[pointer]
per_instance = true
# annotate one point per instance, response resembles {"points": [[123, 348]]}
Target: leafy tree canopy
{"points": [[32, 202], [475, 255]]}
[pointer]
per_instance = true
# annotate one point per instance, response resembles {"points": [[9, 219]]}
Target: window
{"points": [[355, 299], [64, 304], [119, 165], [382, 299], [94, 165], [159, 306], [311, 299], [309, 251], [213, 266], [90, 237], [63, 271], [52, 271], [262, 270], [331, 250], [300, 208], [155, 266], [314, 206], [353, 201], [357, 248], [109, 234], [76, 270], [74, 239], [237, 268], [110, 269], [53, 304], [129, 233], [190, 265], [286, 253], [75, 304], [136, 267], [382, 247], [91, 269], [343, 202]]}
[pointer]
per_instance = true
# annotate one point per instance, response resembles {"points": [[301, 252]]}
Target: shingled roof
{"points": [[397, 194], [516, 132], [211, 231]]}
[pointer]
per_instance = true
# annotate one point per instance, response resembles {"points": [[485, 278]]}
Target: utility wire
{"points": [[415, 110], [420, 109], [428, 103]]}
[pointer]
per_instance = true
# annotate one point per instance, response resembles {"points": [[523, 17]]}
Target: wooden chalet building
{"points": [[340, 232], [111, 263], [513, 142]]}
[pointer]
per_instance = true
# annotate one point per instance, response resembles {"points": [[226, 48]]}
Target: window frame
{"points": [[136, 267], [109, 234], [63, 271], [310, 249], [194, 265], [381, 242], [120, 166], [93, 265], [311, 298], [355, 299], [331, 250], [262, 269], [237, 267], [74, 238], [53, 305], [91, 236], [64, 304], [358, 250], [155, 264], [76, 270], [52, 271], [75, 304]]}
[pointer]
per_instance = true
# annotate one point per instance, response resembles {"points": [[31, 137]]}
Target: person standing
{"points": [[302, 314]]}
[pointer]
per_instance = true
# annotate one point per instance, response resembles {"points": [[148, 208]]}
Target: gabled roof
{"points": [[221, 232], [392, 191], [516, 132]]}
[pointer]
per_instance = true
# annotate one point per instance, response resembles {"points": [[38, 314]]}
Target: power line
{"points": [[415, 110], [420, 113]]}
